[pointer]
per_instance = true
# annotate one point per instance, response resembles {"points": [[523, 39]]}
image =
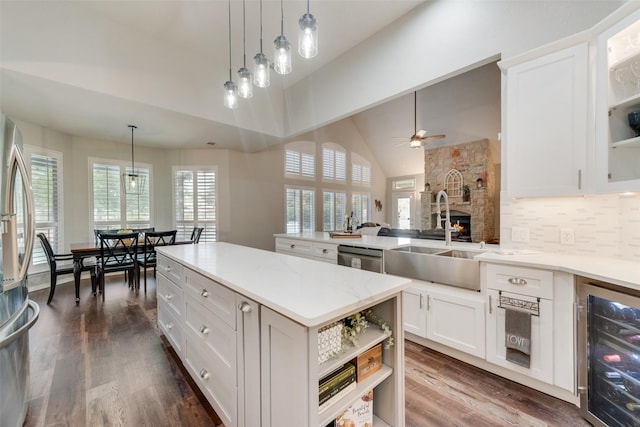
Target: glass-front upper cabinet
{"points": [[618, 106]]}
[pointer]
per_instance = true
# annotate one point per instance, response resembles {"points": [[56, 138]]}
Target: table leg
{"points": [[77, 270]]}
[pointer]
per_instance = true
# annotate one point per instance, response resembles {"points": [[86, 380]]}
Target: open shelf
{"points": [[627, 143], [370, 337], [362, 387]]}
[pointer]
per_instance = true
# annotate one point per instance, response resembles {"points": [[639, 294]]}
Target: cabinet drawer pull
{"points": [[244, 307], [421, 304], [292, 246], [517, 281], [204, 330], [167, 269], [168, 297], [169, 326], [325, 251], [428, 302], [204, 293], [204, 374]]}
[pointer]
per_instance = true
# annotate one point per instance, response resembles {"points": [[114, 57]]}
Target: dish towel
{"points": [[517, 331]]}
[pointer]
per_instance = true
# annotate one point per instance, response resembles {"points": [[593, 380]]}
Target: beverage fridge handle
{"points": [[17, 159], [25, 327]]}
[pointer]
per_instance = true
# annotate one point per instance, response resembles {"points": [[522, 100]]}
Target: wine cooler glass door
{"points": [[610, 348]]}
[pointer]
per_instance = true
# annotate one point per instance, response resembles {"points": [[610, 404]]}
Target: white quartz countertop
{"points": [[309, 292], [617, 271]]}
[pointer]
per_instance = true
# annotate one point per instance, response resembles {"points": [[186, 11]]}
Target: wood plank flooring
{"points": [[104, 364]]}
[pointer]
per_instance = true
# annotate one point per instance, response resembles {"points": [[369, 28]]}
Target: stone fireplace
{"points": [[466, 172]]}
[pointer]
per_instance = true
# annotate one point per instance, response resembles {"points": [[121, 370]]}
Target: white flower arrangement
{"points": [[358, 322]]}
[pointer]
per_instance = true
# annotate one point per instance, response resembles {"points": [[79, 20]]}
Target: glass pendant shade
{"points": [[132, 183], [308, 36], [230, 95], [245, 83], [282, 55], [261, 70]]}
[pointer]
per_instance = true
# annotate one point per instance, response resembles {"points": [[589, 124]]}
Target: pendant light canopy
{"points": [[230, 88], [261, 68], [282, 48], [132, 183], [245, 77], [308, 35]]}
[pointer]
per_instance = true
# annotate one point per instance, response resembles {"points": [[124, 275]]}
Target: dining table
{"points": [[84, 250]]}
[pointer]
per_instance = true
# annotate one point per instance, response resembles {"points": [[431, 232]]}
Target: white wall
{"points": [[432, 42]]}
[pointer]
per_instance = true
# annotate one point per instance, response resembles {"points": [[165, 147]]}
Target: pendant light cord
{"points": [[281, 18], [132, 161], [230, 79], [307, 6], [244, 36], [415, 113], [260, 26]]}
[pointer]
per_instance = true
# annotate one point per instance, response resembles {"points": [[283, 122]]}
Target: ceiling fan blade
{"points": [[421, 133], [434, 137]]}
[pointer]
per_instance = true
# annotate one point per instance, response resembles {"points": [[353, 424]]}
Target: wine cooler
{"points": [[609, 353]]}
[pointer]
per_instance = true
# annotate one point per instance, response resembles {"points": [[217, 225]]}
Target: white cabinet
{"points": [[320, 251], [447, 315], [415, 310], [215, 332], [455, 318], [618, 94], [548, 297], [290, 366], [545, 123]]}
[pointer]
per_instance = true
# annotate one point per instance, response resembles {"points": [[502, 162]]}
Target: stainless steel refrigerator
{"points": [[17, 312]]}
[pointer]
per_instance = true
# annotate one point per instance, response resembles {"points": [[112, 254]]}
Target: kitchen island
{"points": [[246, 325]]}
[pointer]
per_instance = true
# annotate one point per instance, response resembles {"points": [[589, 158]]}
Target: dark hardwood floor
{"points": [[104, 364]]}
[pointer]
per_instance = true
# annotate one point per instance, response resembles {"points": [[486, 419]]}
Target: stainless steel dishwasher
{"points": [[363, 258]]}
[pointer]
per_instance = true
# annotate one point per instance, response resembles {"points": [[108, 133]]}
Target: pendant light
{"points": [[230, 88], [132, 183], [308, 35], [261, 70], [245, 77], [282, 48]]}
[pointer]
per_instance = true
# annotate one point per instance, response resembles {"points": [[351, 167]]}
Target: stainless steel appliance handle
{"points": [[16, 158], [24, 328]]}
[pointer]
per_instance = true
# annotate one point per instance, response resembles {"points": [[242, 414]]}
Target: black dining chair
{"points": [[148, 258], [118, 252], [195, 234], [57, 269]]}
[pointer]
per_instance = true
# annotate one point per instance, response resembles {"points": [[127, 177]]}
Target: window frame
{"points": [[360, 163], [185, 234], [334, 149], [338, 219], [123, 165], [302, 149], [357, 210], [57, 244], [300, 228]]}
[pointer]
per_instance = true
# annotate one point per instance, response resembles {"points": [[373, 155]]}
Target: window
{"points": [[361, 205], [334, 207], [112, 208], [46, 178], [300, 159], [195, 196], [405, 184], [453, 183], [360, 170], [300, 210], [334, 162]]}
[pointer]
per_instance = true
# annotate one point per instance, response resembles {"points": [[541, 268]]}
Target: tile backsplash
{"points": [[605, 225]]}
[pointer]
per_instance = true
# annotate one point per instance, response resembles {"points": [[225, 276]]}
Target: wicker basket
{"points": [[329, 341]]}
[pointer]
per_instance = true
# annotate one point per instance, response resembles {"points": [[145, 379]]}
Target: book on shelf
{"points": [[359, 414], [335, 398], [337, 389], [336, 377]]}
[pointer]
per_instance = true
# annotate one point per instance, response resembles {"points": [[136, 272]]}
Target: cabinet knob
{"points": [[167, 269], [169, 326], [325, 251], [168, 296], [244, 307], [204, 293], [204, 330], [517, 281], [204, 374], [292, 246]]}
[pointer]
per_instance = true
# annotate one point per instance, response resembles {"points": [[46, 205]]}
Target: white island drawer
{"points": [[170, 294], [520, 280], [171, 327], [170, 268], [213, 296], [326, 252], [302, 248]]}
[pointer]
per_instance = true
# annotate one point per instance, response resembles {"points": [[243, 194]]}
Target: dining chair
{"points": [[57, 269], [148, 258], [117, 253], [195, 234]]}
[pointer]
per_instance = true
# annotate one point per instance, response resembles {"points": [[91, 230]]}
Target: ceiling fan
{"points": [[419, 137]]}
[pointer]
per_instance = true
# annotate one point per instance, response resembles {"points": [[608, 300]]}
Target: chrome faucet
{"points": [[447, 224]]}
